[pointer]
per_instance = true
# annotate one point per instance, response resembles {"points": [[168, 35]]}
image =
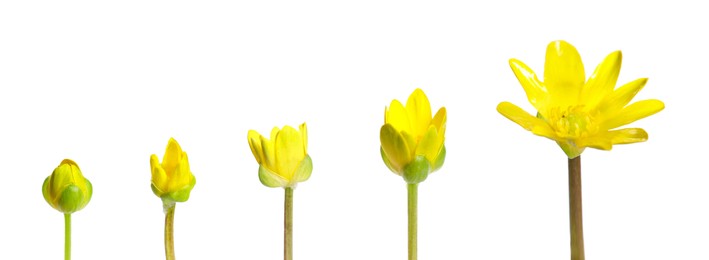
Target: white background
{"points": [[108, 83]]}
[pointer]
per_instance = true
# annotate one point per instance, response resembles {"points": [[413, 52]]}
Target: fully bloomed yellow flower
{"points": [[411, 140], [67, 190], [283, 159], [577, 113], [172, 179]]}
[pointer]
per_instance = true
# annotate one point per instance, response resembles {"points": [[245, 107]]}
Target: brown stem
{"points": [[575, 209], [288, 225], [169, 223]]}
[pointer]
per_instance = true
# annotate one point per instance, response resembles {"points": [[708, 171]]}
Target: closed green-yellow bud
{"points": [[66, 190]]}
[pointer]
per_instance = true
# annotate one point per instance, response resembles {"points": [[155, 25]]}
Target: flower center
{"points": [[571, 122]]}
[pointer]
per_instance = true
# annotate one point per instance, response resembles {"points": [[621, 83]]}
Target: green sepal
{"points": [[570, 149], [305, 168], [440, 159], [417, 171], [387, 162], [71, 199], [45, 192], [180, 195], [270, 179]]}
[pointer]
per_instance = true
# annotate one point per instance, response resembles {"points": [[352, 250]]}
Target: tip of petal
{"points": [[68, 161]]}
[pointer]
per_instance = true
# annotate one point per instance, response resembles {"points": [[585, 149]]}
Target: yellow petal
{"points": [[269, 154], [439, 120], [158, 176], [395, 147], [601, 142], [184, 174], [602, 81], [564, 75], [614, 102], [525, 120], [289, 152], [172, 157], [274, 133], [397, 116], [633, 112], [430, 145], [410, 142], [628, 136], [304, 134], [255, 145], [419, 110], [537, 93]]}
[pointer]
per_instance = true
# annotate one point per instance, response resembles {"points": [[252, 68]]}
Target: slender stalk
{"points": [[169, 233], [67, 236], [575, 209], [413, 216], [288, 225]]}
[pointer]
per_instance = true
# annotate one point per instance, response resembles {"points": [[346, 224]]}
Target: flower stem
{"points": [[413, 216], [575, 209], [288, 225], [169, 241], [67, 236]]}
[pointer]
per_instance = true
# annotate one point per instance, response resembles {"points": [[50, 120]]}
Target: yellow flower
{"points": [[67, 190], [283, 160], [172, 179], [412, 141], [577, 113]]}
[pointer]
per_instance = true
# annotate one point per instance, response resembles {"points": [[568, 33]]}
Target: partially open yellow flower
{"points": [[172, 179], [577, 113], [411, 140], [283, 160], [67, 190]]}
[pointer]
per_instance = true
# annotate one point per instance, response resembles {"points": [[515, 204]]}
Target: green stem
{"points": [[575, 209], [67, 236], [169, 241], [413, 216], [288, 225]]}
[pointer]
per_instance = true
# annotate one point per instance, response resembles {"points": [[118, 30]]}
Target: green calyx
{"points": [[417, 171], [273, 180], [180, 195], [71, 198]]}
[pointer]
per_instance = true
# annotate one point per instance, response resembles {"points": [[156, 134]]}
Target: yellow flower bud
{"points": [[283, 160], [411, 140], [172, 179], [66, 190]]}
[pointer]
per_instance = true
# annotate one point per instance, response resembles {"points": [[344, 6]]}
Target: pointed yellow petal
{"points": [[614, 102], [525, 120], [269, 154], [602, 81], [628, 136], [395, 147], [634, 112], [274, 132], [439, 120], [419, 110], [304, 137], [172, 157], [397, 116], [430, 145], [536, 91], [601, 142], [410, 142], [184, 174], [158, 177], [564, 75], [255, 145], [289, 152]]}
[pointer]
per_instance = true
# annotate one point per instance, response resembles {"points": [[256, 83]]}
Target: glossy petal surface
{"points": [[575, 112], [410, 134]]}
